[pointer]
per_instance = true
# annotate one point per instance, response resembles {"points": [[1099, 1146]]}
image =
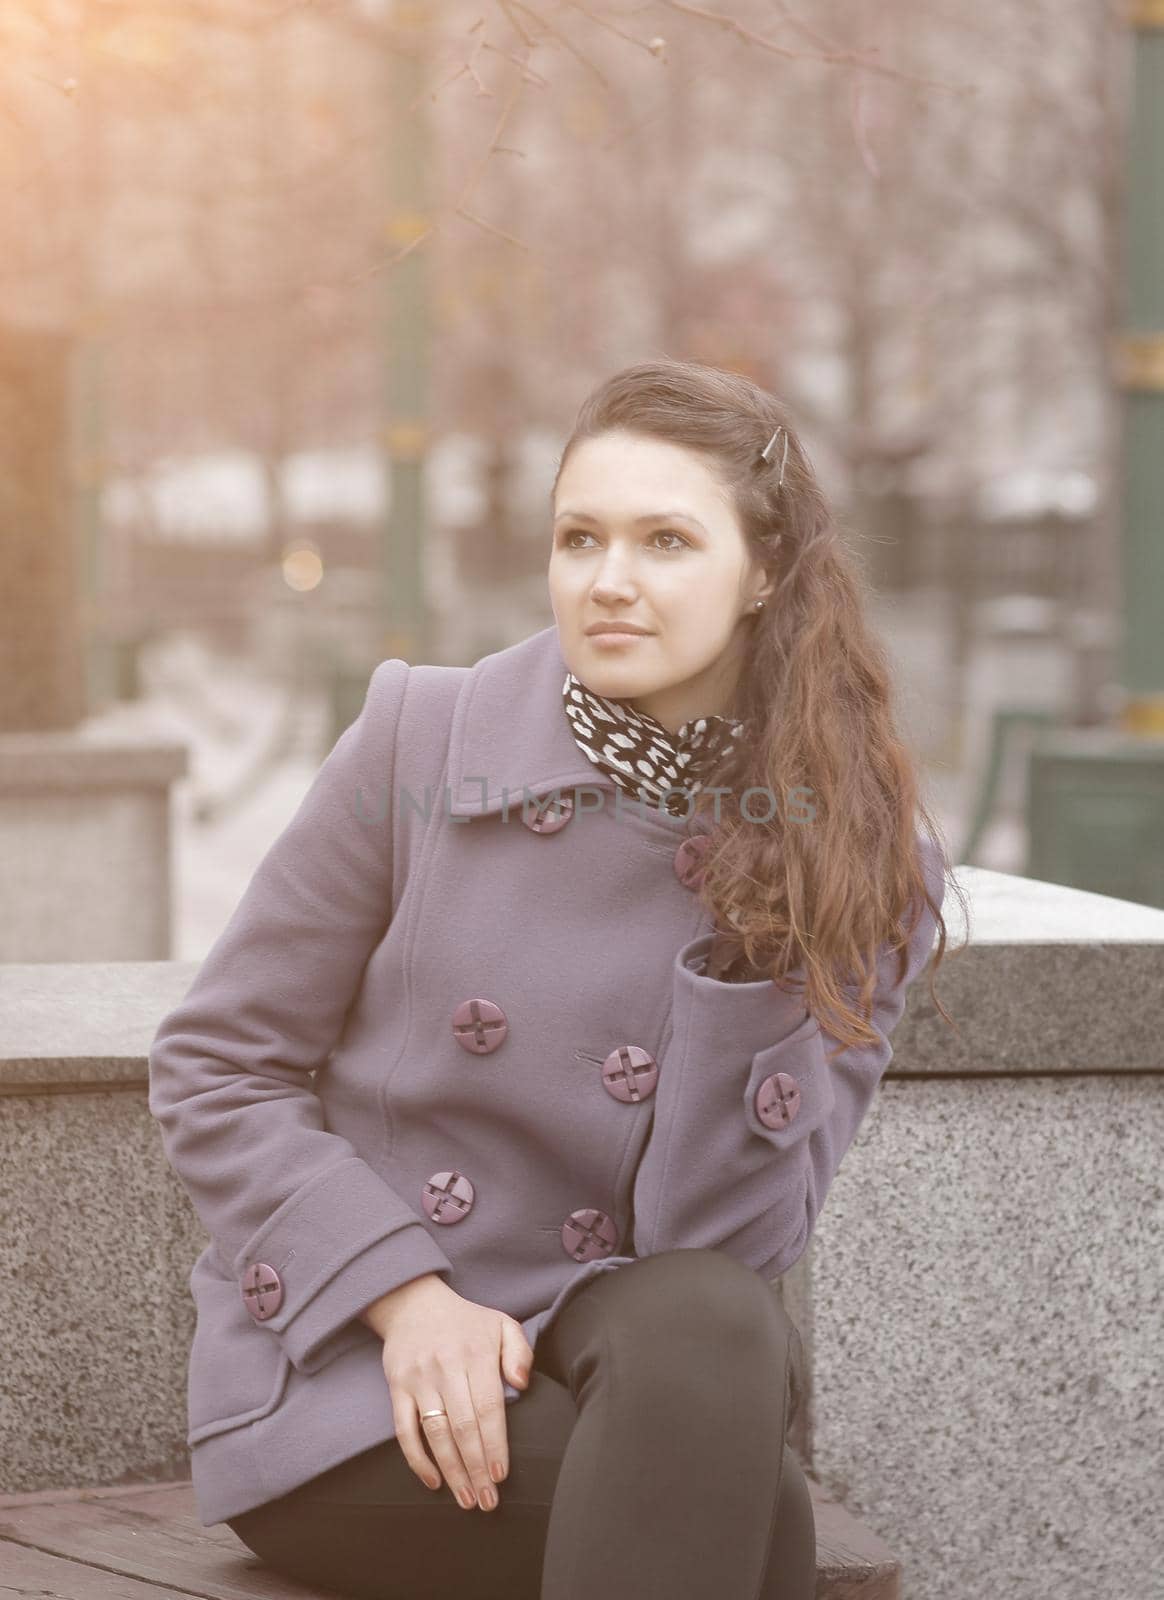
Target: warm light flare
{"points": [[302, 566]]}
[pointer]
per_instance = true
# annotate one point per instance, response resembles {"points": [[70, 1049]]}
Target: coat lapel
{"points": [[510, 738]]}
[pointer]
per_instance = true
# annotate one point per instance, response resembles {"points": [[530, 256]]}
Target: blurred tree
{"points": [[41, 671], [886, 214]]}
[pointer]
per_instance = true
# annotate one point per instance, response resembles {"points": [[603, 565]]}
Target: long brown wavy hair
{"points": [[817, 904]]}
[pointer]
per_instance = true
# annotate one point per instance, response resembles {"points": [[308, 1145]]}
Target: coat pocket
{"points": [[794, 1081], [237, 1369]]}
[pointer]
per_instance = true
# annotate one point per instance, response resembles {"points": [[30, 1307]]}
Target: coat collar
{"points": [[510, 734]]}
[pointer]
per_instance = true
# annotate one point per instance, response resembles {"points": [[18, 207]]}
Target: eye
{"points": [[573, 533]]}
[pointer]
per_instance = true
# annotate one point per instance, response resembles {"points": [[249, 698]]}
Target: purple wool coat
{"points": [[446, 1032]]}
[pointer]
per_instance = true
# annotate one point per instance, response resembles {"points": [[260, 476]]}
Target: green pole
{"points": [[1140, 371], [1095, 796], [406, 626]]}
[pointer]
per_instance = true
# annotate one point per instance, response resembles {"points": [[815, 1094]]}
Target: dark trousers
{"points": [[647, 1458]]}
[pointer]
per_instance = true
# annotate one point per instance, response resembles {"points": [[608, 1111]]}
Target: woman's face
{"points": [[643, 533]]}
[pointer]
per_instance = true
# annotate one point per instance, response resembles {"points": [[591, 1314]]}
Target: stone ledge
{"points": [[1054, 980], [84, 758]]}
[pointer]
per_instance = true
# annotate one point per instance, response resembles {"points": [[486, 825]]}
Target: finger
{"points": [[408, 1433], [517, 1358], [489, 1401], [468, 1425], [440, 1436]]}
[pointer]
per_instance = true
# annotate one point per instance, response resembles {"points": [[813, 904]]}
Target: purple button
{"points": [[548, 814], [630, 1073], [262, 1290], [689, 859], [479, 1026], [588, 1234], [447, 1197], [777, 1100]]}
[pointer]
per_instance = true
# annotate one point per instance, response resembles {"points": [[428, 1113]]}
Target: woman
{"points": [[594, 949]]}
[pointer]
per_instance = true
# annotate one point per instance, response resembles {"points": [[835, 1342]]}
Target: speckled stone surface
{"points": [[99, 1235], [99, 1242], [980, 1303], [985, 1282], [85, 845]]}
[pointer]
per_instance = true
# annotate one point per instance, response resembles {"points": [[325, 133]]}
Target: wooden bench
{"points": [[144, 1541]]}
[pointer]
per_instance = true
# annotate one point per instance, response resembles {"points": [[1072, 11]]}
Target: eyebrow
{"points": [[650, 516]]}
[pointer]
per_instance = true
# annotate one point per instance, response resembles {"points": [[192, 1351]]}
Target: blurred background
{"points": [[298, 301]]}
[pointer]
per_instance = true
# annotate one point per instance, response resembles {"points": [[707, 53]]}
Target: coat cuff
{"points": [[337, 1244]]}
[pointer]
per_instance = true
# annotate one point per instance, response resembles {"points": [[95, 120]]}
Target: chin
{"points": [[607, 678], [599, 672]]}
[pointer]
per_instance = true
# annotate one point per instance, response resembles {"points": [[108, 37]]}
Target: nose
{"points": [[612, 580]]}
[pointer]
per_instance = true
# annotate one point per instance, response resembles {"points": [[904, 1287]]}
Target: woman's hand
{"points": [[441, 1350]]}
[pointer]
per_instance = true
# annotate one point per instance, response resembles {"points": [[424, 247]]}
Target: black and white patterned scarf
{"points": [[639, 754]]}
